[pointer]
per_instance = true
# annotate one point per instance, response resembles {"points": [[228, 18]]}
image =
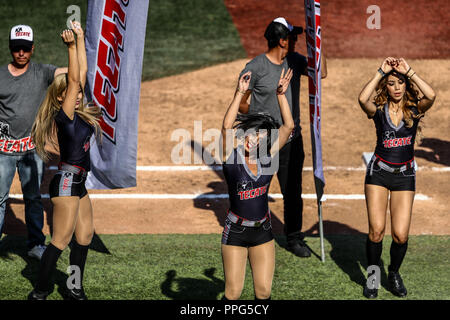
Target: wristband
{"points": [[406, 73], [383, 74]]}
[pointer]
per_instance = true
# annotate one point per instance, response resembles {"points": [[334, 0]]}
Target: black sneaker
{"points": [[370, 293], [297, 246], [396, 285], [75, 294], [37, 295]]}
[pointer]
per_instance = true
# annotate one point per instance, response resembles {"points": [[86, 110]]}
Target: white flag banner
{"points": [[115, 38]]}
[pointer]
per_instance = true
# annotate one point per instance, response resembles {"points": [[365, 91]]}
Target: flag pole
{"points": [[322, 249], [313, 44]]}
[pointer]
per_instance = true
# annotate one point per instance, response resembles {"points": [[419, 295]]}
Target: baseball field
{"points": [[161, 239]]}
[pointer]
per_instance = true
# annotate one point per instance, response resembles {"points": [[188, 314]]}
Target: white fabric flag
{"points": [[115, 38]]}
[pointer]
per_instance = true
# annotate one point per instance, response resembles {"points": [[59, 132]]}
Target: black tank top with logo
{"points": [[74, 140], [248, 194], [395, 144]]}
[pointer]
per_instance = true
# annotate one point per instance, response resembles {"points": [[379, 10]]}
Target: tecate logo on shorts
{"points": [[65, 184]]}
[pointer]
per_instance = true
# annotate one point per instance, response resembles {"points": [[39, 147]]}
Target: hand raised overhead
{"points": [[68, 37], [76, 27], [402, 66]]}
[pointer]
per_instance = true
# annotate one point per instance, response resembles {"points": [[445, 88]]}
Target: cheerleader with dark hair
{"points": [[248, 169], [396, 110]]}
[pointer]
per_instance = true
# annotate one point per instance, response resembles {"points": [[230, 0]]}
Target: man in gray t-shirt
{"points": [[23, 86], [266, 69]]}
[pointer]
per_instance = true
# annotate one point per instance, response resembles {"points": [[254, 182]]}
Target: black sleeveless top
{"points": [[395, 144], [74, 140], [248, 194]]}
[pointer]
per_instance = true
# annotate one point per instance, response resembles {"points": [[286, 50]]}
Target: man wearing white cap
{"points": [[266, 68], [23, 85]]}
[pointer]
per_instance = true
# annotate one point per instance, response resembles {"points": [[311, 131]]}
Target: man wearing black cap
{"points": [[23, 85], [266, 69]]}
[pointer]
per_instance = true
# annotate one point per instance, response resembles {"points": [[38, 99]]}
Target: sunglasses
{"points": [[18, 48]]}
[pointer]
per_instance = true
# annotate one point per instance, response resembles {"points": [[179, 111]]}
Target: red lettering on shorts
{"points": [[65, 184]]}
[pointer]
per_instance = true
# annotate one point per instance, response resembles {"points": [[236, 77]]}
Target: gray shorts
{"points": [[66, 184]]}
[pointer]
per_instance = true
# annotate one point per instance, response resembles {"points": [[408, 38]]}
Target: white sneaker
{"points": [[37, 251]]}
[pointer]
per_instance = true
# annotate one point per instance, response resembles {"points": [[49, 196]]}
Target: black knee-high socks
{"points": [[78, 255], [398, 252], [373, 252], [47, 266]]}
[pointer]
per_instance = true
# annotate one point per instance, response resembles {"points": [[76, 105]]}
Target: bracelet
{"points": [[383, 74], [243, 92], [406, 73], [409, 78]]}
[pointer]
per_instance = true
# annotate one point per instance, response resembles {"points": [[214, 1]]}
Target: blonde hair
{"points": [[410, 100], [44, 128]]}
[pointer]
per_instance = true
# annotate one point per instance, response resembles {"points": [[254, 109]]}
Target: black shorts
{"points": [[402, 181], [66, 184], [237, 235]]}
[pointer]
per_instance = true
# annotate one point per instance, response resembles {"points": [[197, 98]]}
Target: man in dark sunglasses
{"points": [[23, 86], [21, 56]]}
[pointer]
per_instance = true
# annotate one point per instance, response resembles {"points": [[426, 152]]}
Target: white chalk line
{"points": [[219, 168], [156, 196]]}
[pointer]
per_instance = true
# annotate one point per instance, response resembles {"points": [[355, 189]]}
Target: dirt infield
{"points": [[176, 102]]}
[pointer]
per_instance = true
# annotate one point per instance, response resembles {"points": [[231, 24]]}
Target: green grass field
{"points": [[166, 267], [181, 35]]}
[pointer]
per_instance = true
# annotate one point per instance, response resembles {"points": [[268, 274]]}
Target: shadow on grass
{"points": [[348, 250], [15, 243], [192, 288]]}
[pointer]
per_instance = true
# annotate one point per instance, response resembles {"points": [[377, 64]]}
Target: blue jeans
{"points": [[31, 170]]}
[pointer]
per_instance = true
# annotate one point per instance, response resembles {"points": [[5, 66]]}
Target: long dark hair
{"points": [[411, 97]]}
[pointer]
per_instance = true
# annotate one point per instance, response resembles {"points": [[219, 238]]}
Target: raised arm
{"points": [[364, 97], [232, 111], [428, 93], [244, 106], [81, 51], [73, 75], [288, 123]]}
